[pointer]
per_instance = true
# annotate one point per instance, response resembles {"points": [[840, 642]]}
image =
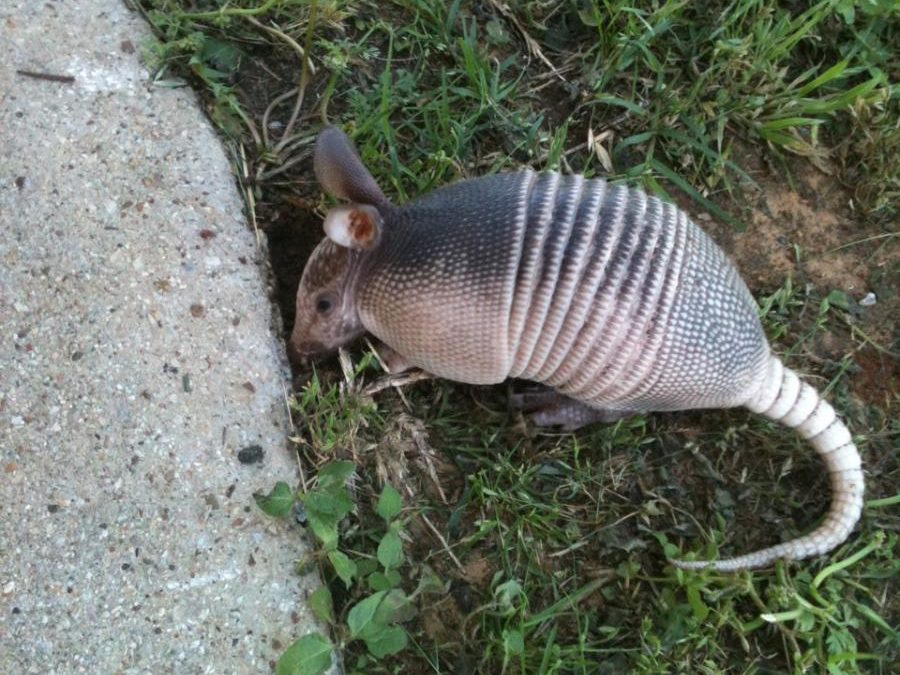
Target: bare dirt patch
{"points": [[810, 230], [802, 225]]}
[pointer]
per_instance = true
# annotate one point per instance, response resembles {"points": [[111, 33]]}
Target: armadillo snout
{"points": [[297, 353], [304, 350]]}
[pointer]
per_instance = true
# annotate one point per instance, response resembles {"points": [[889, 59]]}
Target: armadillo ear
{"points": [[341, 172], [356, 226]]}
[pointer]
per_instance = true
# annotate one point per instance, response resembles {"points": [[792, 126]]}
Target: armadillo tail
{"points": [[786, 399]]}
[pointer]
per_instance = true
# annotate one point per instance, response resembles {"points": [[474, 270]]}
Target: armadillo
{"points": [[611, 297]]}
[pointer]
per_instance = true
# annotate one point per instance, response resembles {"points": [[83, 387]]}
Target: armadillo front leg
{"points": [[392, 360]]}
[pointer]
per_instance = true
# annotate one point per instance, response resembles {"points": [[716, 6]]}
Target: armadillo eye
{"points": [[324, 304]]}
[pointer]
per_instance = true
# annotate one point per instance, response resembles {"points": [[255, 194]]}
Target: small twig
{"points": [[244, 180], [296, 142], [443, 543], [50, 77], [287, 407], [398, 381], [530, 42], [247, 12], [305, 72], [425, 456], [390, 380], [307, 69], [569, 549], [263, 176], [885, 235], [856, 330], [271, 107]]}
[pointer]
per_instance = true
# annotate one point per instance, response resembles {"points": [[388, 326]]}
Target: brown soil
{"points": [[817, 218], [803, 226]]}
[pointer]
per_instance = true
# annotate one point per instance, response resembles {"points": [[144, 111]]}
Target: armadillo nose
{"points": [[297, 353], [293, 354], [300, 352]]}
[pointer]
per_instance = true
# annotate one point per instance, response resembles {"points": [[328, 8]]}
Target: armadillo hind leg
{"points": [[786, 399], [535, 397], [549, 408], [570, 415]]}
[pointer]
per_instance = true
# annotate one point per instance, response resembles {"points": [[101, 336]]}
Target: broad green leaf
{"points": [[343, 566], [336, 505], [374, 614], [278, 502], [839, 299], [847, 11], [321, 604], [324, 529], [394, 607], [335, 474], [359, 619], [389, 640], [389, 503], [310, 655], [223, 55], [514, 641], [390, 550], [508, 594], [366, 566], [379, 582], [695, 600]]}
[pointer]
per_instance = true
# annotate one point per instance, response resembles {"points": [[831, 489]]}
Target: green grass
{"points": [[512, 549], [673, 93]]}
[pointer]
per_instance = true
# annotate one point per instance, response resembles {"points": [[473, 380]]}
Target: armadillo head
{"points": [[327, 316], [327, 312]]}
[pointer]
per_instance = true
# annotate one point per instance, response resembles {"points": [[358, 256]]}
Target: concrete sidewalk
{"points": [[138, 356]]}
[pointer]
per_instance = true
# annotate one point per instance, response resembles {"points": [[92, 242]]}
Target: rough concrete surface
{"points": [[138, 355]]}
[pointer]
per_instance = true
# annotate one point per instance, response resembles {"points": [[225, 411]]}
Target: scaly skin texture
{"points": [[612, 297]]}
